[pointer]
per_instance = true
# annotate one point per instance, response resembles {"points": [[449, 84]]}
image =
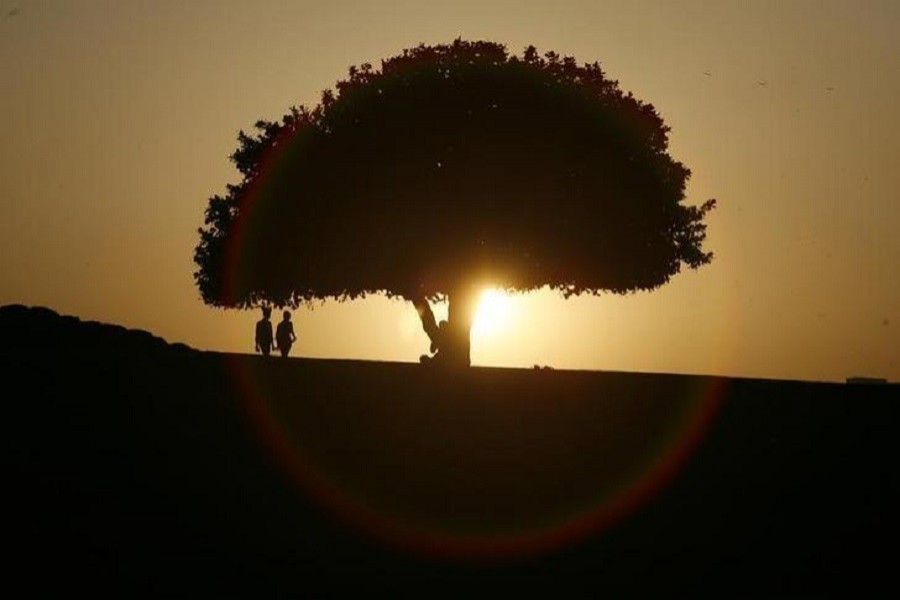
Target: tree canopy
{"points": [[453, 165]]}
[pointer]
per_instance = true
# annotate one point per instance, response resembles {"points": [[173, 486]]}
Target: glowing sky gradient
{"points": [[117, 117]]}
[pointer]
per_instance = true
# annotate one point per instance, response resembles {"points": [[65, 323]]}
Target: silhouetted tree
{"points": [[451, 168]]}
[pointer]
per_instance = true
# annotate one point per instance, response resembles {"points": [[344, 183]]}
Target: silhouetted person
{"points": [[284, 334], [439, 345], [438, 334], [264, 332]]}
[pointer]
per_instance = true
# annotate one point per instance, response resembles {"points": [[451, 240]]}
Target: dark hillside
{"points": [[133, 466]]}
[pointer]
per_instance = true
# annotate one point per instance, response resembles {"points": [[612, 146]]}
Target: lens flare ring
{"points": [[331, 491]]}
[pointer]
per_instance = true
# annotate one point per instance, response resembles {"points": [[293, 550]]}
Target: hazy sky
{"points": [[117, 118]]}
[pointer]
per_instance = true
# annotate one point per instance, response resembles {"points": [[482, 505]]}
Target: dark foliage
{"points": [[450, 166]]}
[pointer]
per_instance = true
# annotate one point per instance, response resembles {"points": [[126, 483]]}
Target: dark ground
{"points": [[133, 467]]}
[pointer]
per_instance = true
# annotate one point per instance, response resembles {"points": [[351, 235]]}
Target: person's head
{"points": [[267, 312], [287, 315]]}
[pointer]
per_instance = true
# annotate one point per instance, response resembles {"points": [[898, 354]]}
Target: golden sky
{"points": [[117, 118]]}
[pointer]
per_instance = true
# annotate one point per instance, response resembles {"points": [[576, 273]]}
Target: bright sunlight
{"points": [[494, 313]]}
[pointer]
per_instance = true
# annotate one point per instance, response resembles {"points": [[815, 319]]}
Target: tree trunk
{"points": [[427, 317], [461, 305], [452, 342]]}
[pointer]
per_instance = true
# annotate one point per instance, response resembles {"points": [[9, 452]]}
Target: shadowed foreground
{"points": [[133, 466]]}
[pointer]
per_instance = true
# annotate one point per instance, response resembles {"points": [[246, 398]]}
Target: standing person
{"points": [[264, 332], [284, 335]]}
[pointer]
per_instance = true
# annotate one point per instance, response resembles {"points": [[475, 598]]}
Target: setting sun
{"points": [[494, 313]]}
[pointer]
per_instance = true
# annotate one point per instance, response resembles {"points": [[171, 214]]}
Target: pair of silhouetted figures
{"points": [[284, 335]]}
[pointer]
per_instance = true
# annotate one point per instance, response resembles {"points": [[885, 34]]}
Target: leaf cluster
{"points": [[450, 165]]}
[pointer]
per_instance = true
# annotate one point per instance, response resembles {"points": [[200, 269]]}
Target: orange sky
{"points": [[117, 117]]}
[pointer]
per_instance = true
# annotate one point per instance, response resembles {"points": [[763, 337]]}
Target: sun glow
{"points": [[494, 313]]}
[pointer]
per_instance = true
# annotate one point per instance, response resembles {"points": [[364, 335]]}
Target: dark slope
{"points": [[134, 467]]}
